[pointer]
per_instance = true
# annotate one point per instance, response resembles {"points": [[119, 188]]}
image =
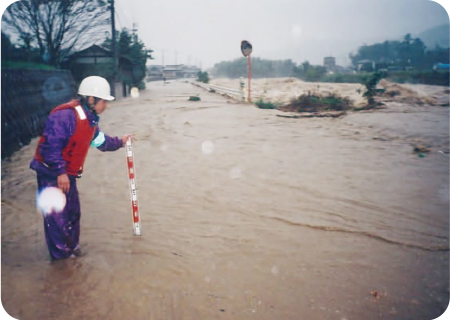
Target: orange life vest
{"points": [[77, 148]]}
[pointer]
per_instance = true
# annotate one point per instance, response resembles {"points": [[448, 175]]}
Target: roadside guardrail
{"points": [[236, 94]]}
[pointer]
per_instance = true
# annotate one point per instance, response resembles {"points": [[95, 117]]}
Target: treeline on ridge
{"points": [[403, 61]]}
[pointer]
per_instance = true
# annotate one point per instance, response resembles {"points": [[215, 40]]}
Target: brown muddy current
{"points": [[245, 215]]}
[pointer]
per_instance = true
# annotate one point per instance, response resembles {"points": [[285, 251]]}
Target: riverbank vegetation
{"points": [[266, 105], [314, 102], [311, 102]]}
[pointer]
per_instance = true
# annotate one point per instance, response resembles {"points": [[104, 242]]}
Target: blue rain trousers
{"points": [[62, 229]]}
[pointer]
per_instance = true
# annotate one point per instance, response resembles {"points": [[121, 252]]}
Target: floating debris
{"points": [[421, 149]]}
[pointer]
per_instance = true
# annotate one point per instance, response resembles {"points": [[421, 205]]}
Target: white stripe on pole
{"points": [[133, 187]]}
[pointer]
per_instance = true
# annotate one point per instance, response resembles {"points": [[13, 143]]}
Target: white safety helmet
{"points": [[95, 86]]}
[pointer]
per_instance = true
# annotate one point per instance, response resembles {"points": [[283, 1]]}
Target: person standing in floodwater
{"points": [[70, 130]]}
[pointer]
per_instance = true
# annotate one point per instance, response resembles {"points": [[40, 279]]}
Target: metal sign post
{"points": [[133, 187], [249, 76]]}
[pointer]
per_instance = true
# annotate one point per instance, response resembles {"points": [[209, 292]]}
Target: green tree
{"points": [[409, 52], [417, 53], [203, 77], [371, 88], [405, 50], [131, 47], [306, 66]]}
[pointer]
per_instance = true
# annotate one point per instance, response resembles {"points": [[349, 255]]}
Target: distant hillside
{"points": [[438, 35]]}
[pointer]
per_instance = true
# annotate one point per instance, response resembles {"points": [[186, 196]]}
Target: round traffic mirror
{"points": [[246, 48]]}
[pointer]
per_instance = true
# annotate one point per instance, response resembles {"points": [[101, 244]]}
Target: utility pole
{"points": [[114, 48], [135, 25]]}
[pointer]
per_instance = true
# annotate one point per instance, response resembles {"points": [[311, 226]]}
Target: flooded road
{"points": [[245, 215]]}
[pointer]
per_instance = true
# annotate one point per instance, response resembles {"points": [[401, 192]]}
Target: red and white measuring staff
{"points": [[133, 187]]}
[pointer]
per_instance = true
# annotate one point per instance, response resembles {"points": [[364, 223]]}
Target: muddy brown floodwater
{"points": [[245, 215]]}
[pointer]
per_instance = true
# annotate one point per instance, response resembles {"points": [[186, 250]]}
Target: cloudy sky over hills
{"points": [[207, 32]]}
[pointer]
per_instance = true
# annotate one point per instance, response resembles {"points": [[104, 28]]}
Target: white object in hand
{"points": [[51, 199]]}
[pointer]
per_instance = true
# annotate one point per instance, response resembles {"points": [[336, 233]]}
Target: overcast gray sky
{"points": [[210, 31], [205, 32]]}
